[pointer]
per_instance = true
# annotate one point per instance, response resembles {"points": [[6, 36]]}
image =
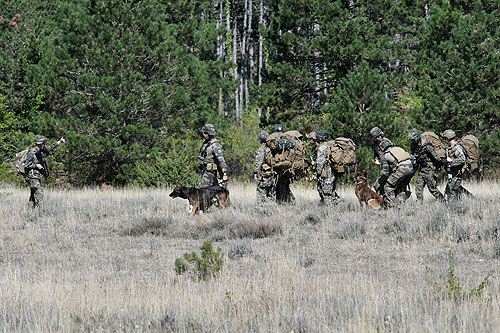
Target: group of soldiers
{"points": [[396, 173], [396, 167]]}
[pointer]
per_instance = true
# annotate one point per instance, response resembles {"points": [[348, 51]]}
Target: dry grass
{"points": [[104, 260]]}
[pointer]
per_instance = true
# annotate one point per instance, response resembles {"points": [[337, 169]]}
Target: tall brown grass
{"points": [[104, 260]]}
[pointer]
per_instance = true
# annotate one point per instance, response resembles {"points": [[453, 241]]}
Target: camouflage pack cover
{"points": [[285, 152], [19, 161], [471, 148], [342, 151], [436, 143]]}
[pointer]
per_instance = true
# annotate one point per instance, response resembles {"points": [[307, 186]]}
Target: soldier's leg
{"points": [[432, 181], [265, 190], [208, 179], [419, 186], [280, 189], [319, 187], [389, 195], [454, 187], [290, 198]]}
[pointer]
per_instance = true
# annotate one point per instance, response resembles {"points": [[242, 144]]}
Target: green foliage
{"points": [[204, 267], [240, 144], [118, 79], [177, 165], [451, 287]]}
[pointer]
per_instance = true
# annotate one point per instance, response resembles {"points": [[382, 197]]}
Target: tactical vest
{"points": [[399, 154]]}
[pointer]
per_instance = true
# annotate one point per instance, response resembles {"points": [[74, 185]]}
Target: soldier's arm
{"points": [[219, 157], [321, 159], [385, 171], [431, 152], [458, 156], [259, 159]]}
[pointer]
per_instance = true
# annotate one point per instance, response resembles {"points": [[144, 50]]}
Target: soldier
{"points": [[395, 174], [211, 159], [427, 161], [455, 161], [325, 175], [377, 136], [262, 173], [282, 181], [36, 168]]}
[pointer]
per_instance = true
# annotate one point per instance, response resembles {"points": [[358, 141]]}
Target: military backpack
{"points": [[19, 160], [342, 153], [436, 143], [285, 152], [470, 143]]}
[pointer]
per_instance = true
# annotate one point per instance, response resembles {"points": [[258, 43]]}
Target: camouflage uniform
{"points": [[376, 132], [212, 163], [394, 179], [454, 186], [326, 176], [427, 163], [35, 175], [266, 190]]}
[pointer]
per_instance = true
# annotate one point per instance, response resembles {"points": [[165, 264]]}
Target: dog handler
{"points": [[211, 159]]}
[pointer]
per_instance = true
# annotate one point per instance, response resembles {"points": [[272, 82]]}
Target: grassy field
{"points": [[104, 260]]}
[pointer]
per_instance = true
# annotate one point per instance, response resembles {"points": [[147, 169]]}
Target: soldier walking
{"points": [[395, 174], [282, 180], [211, 159], [455, 161], [325, 174], [427, 162], [36, 169], [262, 173]]}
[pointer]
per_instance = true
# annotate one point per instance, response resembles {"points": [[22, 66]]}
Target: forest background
{"points": [[130, 83]]}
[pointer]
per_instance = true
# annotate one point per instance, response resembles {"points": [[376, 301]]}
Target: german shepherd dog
{"points": [[366, 194], [200, 199]]}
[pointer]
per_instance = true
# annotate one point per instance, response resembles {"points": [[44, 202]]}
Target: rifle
{"points": [[448, 172]]}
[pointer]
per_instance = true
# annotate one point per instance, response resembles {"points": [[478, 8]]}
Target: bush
{"points": [[451, 287], [177, 166], [203, 268]]}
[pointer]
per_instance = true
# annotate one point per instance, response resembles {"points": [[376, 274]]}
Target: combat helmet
{"points": [[322, 135], [40, 139], [277, 128], [413, 134], [209, 129], [262, 136], [384, 144], [376, 131], [448, 134]]}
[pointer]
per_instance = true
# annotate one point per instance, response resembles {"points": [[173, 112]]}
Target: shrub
{"points": [[451, 287], [203, 267]]}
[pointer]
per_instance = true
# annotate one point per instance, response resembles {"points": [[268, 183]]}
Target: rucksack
{"points": [[285, 152], [471, 147], [342, 153], [436, 143], [19, 160]]}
